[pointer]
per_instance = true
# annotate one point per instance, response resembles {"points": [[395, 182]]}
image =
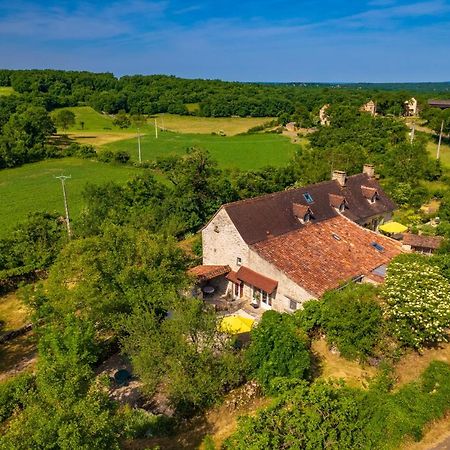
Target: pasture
{"points": [[92, 127], [207, 125], [33, 187], [245, 152]]}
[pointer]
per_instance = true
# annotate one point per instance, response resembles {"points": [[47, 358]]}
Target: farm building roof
{"points": [[261, 218], [206, 272], [420, 241], [323, 255], [444, 104]]}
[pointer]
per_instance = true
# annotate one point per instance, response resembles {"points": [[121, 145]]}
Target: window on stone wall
{"points": [[292, 304], [238, 261]]}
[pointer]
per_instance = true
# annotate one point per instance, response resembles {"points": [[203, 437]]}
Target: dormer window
{"points": [[338, 201], [302, 212], [370, 193]]}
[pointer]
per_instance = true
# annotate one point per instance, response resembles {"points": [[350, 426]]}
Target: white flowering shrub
{"points": [[417, 302]]}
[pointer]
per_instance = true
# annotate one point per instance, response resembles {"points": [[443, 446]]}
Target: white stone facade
{"points": [[223, 245]]}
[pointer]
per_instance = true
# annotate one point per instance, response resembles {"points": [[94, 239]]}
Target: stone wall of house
{"points": [[222, 244], [286, 290]]}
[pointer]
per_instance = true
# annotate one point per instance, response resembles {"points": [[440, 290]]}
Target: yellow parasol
{"points": [[236, 324], [393, 227]]}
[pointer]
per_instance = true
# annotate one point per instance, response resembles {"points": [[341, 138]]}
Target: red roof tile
{"points": [[256, 279], [326, 254], [205, 273], [232, 276]]}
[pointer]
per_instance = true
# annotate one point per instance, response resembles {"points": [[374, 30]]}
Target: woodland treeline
{"points": [[150, 94]]}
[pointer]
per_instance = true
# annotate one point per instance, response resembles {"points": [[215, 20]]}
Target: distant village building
{"points": [[323, 115], [291, 126], [443, 104], [370, 107], [280, 250], [411, 108], [422, 244]]}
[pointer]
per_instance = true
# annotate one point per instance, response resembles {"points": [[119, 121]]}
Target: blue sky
{"points": [[247, 40]]}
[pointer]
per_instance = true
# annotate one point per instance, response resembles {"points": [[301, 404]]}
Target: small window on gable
{"points": [[308, 198], [216, 229], [238, 261], [306, 217], [292, 305]]}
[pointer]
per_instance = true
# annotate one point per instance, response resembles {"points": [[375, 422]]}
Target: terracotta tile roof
{"points": [[415, 240], [205, 273], [259, 218], [232, 276], [324, 255], [256, 279]]}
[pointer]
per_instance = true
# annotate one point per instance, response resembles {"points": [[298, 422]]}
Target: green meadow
{"points": [[246, 152], [33, 187]]}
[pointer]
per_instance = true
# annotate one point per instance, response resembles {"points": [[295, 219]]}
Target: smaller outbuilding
{"points": [[421, 244]]}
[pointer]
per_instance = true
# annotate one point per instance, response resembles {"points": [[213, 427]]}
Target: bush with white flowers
{"points": [[417, 302]]}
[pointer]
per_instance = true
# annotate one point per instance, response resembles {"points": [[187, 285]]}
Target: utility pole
{"points": [[139, 145], [63, 178], [440, 140], [156, 129]]}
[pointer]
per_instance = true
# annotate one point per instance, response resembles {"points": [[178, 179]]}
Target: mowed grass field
{"points": [[98, 129], [33, 187], [244, 152], [207, 125]]}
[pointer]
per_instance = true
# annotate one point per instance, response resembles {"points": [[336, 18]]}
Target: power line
{"points": [[63, 178]]}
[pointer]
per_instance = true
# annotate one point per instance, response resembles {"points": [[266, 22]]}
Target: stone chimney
{"points": [[340, 176], [369, 169]]}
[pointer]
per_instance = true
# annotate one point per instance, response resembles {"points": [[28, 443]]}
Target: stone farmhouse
{"points": [[323, 115], [281, 249], [370, 107], [411, 107]]}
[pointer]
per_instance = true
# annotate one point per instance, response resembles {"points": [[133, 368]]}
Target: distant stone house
{"points": [[291, 126], [370, 107], [411, 107], [285, 248], [323, 115]]}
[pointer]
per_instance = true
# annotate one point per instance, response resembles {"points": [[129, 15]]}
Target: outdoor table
{"points": [[208, 290]]}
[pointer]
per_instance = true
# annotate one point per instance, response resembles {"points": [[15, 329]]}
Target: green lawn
{"points": [[6, 90], [33, 187], [244, 152]]}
